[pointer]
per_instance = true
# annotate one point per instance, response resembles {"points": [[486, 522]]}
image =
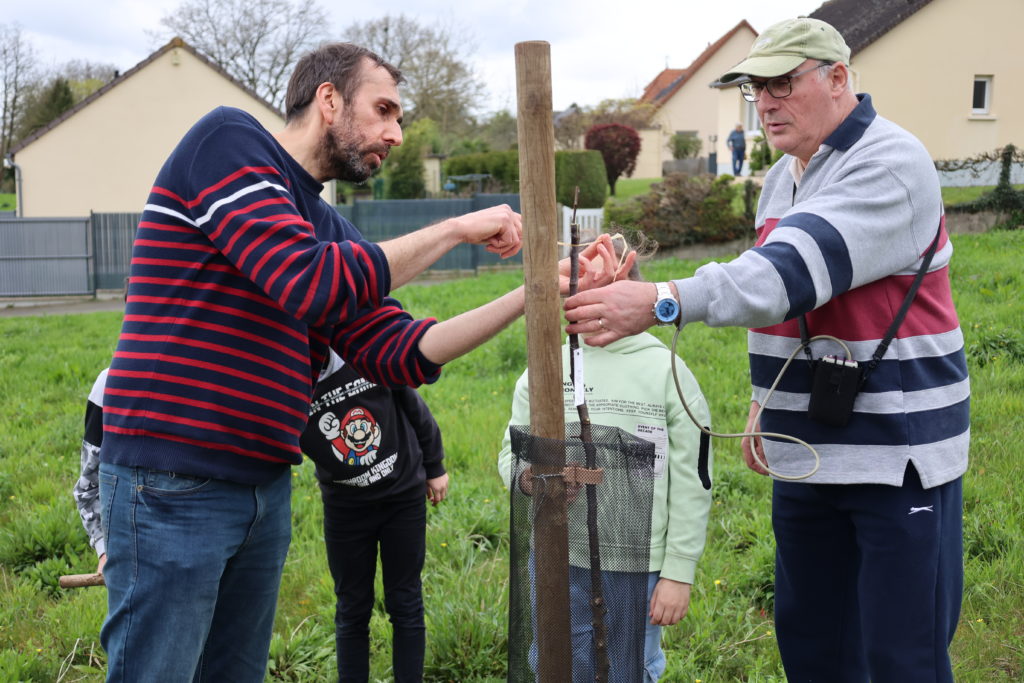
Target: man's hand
{"points": [[751, 444], [102, 561], [669, 602], [499, 227], [608, 313], [437, 489]]}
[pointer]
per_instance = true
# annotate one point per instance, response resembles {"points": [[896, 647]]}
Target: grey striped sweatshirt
{"points": [[843, 247]]}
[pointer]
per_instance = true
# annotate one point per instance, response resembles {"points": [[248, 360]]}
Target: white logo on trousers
{"points": [[914, 510]]}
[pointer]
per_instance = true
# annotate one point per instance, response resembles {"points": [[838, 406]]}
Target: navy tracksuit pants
{"points": [[868, 580]]}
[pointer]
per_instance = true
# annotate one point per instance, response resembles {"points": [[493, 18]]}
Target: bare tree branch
{"points": [[17, 72], [440, 82], [256, 41]]}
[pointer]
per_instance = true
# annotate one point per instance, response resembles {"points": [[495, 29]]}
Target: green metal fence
{"points": [[383, 219], [81, 255]]}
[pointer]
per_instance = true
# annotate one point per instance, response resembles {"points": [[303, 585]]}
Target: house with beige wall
{"points": [[104, 154], [685, 104], [949, 71]]}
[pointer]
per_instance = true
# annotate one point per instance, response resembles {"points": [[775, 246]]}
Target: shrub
{"points": [[685, 209], [404, 168], [584, 169], [760, 154], [502, 166], [684, 146], [751, 192], [619, 145], [1004, 200], [624, 213]]}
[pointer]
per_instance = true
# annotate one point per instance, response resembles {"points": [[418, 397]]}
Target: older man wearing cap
{"points": [[852, 255]]}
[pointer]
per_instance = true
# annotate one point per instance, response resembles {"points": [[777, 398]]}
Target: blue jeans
{"points": [[621, 592], [738, 155], [618, 587], [193, 570]]}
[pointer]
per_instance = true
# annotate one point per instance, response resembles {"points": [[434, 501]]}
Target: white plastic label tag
{"points": [[659, 436], [577, 379]]}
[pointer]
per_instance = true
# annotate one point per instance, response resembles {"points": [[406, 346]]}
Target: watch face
{"points": [[667, 310]]}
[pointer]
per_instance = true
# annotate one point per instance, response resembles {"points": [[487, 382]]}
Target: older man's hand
{"points": [[618, 310]]}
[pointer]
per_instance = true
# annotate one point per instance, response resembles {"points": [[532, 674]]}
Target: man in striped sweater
{"points": [[869, 560], [242, 278]]}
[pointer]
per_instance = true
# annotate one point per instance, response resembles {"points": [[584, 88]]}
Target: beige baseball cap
{"points": [[786, 45]]}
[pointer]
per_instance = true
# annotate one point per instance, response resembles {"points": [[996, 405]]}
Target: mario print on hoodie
{"points": [[355, 439], [370, 443]]}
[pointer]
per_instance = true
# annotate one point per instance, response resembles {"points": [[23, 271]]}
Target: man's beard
{"points": [[342, 154]]}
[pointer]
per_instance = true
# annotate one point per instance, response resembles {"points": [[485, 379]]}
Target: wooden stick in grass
{"points": [[81, 580]]}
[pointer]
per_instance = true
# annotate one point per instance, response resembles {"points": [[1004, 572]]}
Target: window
{"points": [[750, 121], [982, 95]]}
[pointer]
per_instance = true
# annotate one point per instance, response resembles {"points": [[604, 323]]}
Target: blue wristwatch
{"points": [[666, 308]]}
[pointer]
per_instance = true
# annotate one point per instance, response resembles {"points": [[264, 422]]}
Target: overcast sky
{"points": [[595, 54]]}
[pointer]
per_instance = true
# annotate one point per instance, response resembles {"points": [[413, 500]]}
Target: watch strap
{"points": [[665, 293]]}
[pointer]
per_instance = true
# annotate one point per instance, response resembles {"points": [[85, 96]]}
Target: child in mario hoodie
{"points": [[378, 455]]}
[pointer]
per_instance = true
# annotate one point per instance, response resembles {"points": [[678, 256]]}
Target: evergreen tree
{"points": [[46, 105], [405, 168]]}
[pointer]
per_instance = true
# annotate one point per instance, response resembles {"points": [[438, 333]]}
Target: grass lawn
{"points": [[8, 201], [47, 365], [959, 195], [630, 187]]}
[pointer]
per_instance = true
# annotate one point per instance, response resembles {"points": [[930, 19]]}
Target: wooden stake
{"points": [[81, 580], [544, 354]]}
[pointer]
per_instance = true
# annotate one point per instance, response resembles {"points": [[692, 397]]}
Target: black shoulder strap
{"points": [[894, 327], [897, 321]]}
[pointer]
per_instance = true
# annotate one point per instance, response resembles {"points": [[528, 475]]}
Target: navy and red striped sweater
{"points": [[241, 277]]}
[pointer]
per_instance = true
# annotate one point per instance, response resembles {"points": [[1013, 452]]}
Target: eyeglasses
{"points": [[778, 87]]}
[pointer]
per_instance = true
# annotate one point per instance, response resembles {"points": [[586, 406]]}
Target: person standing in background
{"points": [[737, 142]]}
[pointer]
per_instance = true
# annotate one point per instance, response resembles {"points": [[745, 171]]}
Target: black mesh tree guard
{"points": [[624, 464]]}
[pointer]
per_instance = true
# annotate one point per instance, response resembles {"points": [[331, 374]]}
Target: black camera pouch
{"points": [[834, 387], [834, 381]]}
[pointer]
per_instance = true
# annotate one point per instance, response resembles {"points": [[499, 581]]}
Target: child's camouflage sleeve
{"points": [[87, 488]]}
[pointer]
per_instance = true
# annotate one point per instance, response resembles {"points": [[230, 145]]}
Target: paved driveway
{"points": [[21, 307]]}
